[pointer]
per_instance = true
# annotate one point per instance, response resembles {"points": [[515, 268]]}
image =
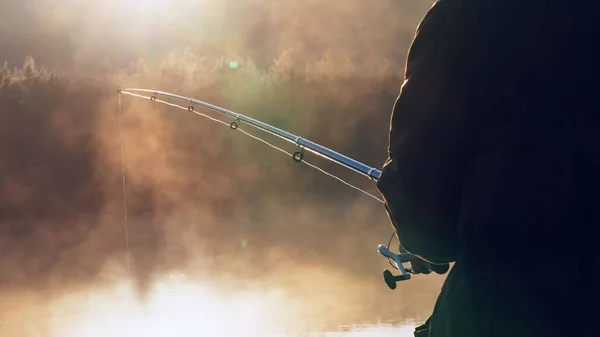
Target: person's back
{"points": [[495, 164]]}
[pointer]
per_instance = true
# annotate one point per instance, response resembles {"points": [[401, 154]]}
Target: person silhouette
{"points": [[494, 165]]}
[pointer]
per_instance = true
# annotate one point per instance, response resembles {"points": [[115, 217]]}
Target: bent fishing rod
{"points": [[404, 262]]}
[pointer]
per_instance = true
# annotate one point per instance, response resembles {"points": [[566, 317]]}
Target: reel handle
{"points": [[421, 267], [391, 280]]}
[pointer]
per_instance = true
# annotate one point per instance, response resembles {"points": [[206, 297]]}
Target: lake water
{"points": [[373, 330], [187, 309]]}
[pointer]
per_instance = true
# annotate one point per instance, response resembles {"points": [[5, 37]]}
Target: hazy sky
{"points": [[60, 32]]}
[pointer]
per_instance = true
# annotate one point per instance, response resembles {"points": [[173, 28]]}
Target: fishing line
{"points": [[258, 139], [388, 247], [125, 222]]}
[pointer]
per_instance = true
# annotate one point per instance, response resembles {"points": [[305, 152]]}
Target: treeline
{"points": [[49, 194]]}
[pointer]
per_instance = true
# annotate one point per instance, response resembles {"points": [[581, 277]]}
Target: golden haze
{"points": [[326, 70]]}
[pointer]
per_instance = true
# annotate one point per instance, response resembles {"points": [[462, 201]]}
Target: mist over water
{"points": [[225, 236]]}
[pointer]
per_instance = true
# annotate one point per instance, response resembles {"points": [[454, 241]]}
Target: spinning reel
{"points": [[414, 266]]}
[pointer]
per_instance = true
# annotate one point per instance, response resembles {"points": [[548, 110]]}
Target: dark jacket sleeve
{"points": [[432, 126]]}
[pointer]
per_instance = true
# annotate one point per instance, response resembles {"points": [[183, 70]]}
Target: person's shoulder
{"points": [[459, 9], [458, 15]]}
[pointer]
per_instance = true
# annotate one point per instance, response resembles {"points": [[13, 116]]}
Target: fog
{"points": [[209, 210]]}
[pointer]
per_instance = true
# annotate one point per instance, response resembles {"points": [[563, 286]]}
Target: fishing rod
{"points": [[404, 262], [300, 142]]}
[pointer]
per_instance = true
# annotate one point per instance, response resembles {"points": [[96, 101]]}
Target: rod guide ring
{"points": [[298, 155], [235, 124]]}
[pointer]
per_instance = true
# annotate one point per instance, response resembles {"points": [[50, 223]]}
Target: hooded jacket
{"points": [[494, 164], [494, 137]]}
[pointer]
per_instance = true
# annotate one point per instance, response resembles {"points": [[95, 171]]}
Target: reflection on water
{"points": [[183, 308], [371, 330]]}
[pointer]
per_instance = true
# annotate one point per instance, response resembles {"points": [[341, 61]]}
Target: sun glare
{"points": [[146, 6], [175, 308], [141, 10]]}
